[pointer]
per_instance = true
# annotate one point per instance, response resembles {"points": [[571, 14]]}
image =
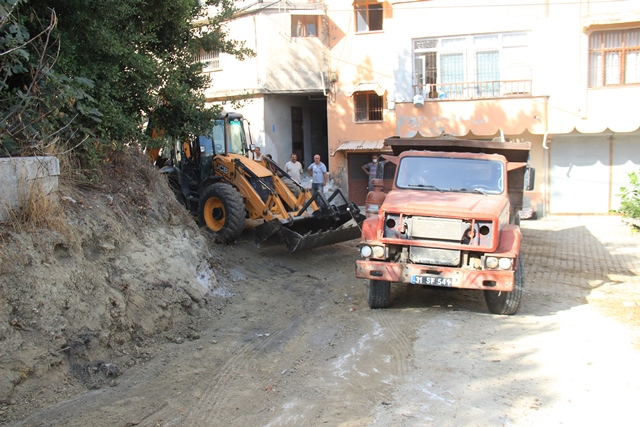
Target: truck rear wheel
{"points": [[507, 302], [221, 209], [378, 293]]}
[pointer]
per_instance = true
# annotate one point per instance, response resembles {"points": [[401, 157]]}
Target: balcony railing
{"points": [[473, 90]]}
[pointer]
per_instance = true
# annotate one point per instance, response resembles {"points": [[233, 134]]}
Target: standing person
{"points": [[370, 169], [318, 172], [293, 167], [257, 154]]}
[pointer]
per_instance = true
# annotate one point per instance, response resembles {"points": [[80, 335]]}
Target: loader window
{"points": [[218, 136], [237, 142]]}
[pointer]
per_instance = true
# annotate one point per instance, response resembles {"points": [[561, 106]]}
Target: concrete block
{"points": [[17, 176]]}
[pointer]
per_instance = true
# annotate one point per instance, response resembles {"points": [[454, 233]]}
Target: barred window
{"points": [[368, 17], [210, 60], [614, 57], [368, 106]]}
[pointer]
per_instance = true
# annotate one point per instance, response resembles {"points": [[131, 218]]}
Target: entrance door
{"points": [[297, 133]]}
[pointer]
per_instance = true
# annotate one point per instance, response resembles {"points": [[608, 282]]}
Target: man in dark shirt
{"points": [[370, 169]]}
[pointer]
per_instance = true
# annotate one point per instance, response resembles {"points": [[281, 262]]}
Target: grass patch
{"points": [[37, 210]]}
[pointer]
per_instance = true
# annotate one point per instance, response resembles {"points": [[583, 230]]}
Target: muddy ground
{"points": [[148, 322]]}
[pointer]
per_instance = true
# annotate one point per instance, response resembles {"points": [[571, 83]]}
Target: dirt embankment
{"points": [[125, 268]]}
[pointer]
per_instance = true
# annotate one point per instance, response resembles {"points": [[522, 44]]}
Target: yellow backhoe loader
{"points": [[213, 177]]}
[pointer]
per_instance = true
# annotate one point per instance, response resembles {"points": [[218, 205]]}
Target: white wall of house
{"points": [[285, 73], [282, 63]]}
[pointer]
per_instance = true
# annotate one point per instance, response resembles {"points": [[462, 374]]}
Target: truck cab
{"points": [[449, 220]]}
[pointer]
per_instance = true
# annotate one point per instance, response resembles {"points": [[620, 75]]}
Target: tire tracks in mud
{"points": [[265, 349], [243, 370]]}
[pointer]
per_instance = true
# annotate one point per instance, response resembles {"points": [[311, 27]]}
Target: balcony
{"points": [[473, 90]]}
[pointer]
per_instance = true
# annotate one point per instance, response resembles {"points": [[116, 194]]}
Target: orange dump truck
{"points": [[449, 220]]}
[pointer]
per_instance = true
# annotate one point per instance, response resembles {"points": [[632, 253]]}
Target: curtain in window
{"points": [[452, 67], [612, 68], [632, 59], [488, 73], [612, 39], [595, 68]]}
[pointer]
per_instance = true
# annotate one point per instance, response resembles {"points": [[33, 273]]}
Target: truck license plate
{"points": [[425, 279]]}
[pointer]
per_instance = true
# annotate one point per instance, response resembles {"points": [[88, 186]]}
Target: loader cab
{"points": [[228, 135]]}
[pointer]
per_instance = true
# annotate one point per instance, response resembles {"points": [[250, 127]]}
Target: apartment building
{"points": [[563, 74], [282, 90]]}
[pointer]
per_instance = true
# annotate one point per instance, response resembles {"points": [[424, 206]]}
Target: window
{"points": [[368, 17], [211, 60], [451, 174], [614, 57], [368, 106], [304, 26], [474, 66]]}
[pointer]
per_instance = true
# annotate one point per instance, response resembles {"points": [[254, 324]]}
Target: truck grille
{"points": [[434, 256], [464, 232], [436, 228]]}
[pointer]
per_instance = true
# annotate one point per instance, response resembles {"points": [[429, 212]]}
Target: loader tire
{"points": [[221, 209], [507, 303], [378, 293]]}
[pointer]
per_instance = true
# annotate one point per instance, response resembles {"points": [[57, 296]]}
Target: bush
{"points": [[630, 197]]}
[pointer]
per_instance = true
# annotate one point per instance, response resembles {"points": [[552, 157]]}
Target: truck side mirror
{"points": [[529, 178]]}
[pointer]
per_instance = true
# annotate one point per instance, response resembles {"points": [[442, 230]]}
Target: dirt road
{"points": [[298, 346]]}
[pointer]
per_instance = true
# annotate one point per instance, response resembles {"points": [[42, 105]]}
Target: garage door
{"points": [[586, 172]]}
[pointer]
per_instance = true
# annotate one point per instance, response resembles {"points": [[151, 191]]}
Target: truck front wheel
{"points": [[221, 209], [507, 302], [378, 293]]}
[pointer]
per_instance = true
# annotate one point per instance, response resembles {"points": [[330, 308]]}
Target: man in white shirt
{"points": [[293, 168], [257, 154]]}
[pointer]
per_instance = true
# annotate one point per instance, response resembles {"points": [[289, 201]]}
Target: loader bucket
{"points": [[296, 242], [325, 226]]}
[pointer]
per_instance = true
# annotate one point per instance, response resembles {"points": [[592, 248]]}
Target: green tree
{"points": [[40, 109], [136, 60]]}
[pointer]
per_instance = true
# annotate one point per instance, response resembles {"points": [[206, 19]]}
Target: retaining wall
{"points": [[19, 174]]}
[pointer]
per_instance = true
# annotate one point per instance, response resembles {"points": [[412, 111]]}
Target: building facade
{"points": [[281, 91], [562, 74]]}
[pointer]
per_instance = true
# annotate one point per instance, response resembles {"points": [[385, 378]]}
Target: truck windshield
{"points": [[451, 174]]}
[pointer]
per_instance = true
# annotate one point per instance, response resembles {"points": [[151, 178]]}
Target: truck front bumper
{"points": [[491, 280]]}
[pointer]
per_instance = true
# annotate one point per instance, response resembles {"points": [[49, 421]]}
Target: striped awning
{"points": [[361, 145], [369, 87]]}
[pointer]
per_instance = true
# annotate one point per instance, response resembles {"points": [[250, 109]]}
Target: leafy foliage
{"points": [[630, 197], [39, 108], [97, 71]]}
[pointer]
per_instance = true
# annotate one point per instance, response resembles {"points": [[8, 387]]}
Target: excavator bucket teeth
{"points": [[296, 242]]}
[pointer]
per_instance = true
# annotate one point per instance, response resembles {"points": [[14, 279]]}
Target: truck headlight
{"points": [[366, 251], [372, 251], [491, 262], [378, 251], [505, 263]]}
